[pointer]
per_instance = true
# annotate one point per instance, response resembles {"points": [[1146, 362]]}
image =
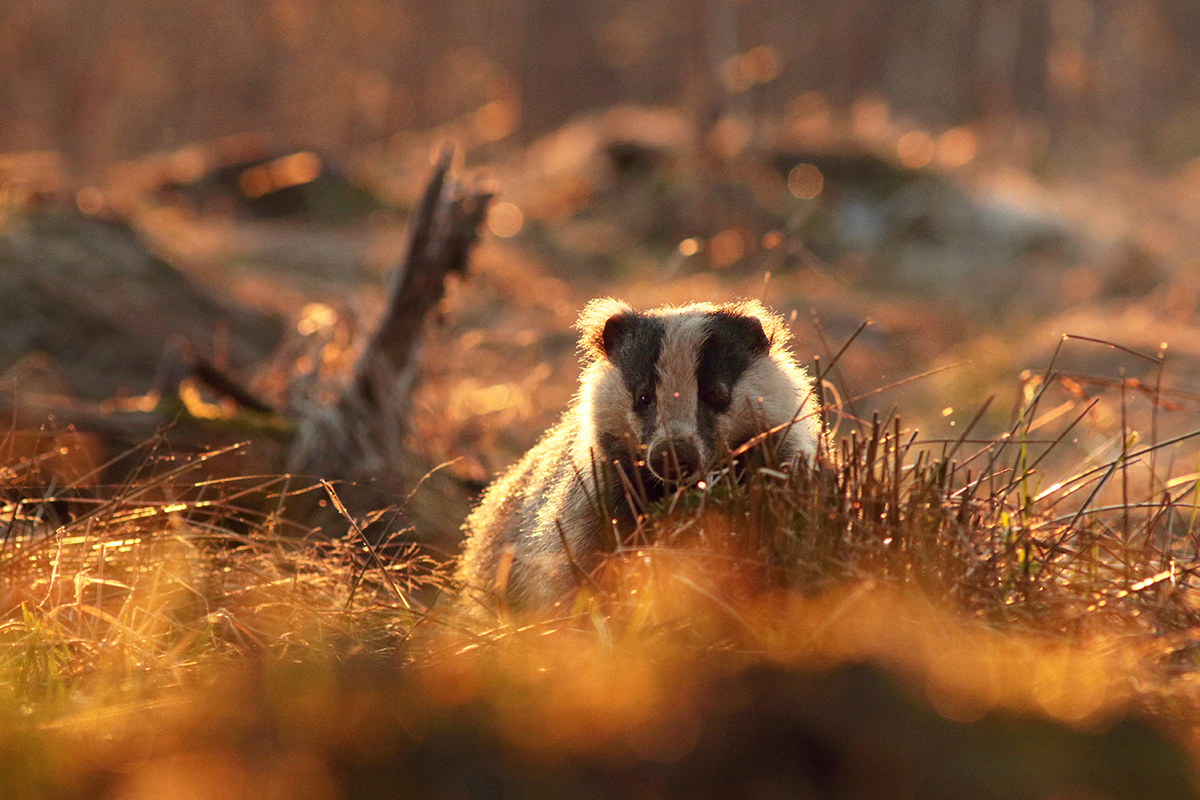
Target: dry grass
{"points": [[1018, 625], [153, 588]]}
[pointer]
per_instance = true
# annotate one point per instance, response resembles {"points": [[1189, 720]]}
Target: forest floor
{"points": [[1042, 643]]}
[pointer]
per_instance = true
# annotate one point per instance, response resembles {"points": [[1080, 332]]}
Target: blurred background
{"points": [[978, 178], [1064, 80], [980, 216]]}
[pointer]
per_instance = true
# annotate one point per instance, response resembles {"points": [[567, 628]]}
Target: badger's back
{"points": [[511, 551], [665, 397]]}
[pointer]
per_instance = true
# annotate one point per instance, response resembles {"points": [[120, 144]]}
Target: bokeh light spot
{"points": [[505, 220], [315, 317], [90, 200], [727, 247], [956, 147], [496, 119], [915, 149], [730, 136], [809, 115], [755, 66], [760, 64], [805, 181], [294, 170], [255, 182]]}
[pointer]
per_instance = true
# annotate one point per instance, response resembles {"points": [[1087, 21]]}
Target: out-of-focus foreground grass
{"points": [[897, 624]]}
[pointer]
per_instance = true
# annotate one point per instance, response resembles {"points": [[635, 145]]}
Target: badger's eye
{"points": [[644, 400], [716, 396]]}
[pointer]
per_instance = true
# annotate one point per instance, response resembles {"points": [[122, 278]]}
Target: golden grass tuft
{"points": [[943, 615], [154, 588]]}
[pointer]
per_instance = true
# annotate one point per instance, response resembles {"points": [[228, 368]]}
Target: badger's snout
{"points": [[675, 461]]}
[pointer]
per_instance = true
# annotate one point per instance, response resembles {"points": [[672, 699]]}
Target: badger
{"points": [[666, 396]]}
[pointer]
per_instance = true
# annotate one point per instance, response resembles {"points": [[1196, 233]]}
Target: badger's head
{"points": [[677, 386]]}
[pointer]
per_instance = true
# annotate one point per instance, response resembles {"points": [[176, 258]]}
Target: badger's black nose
{"points": [[675, 461]]}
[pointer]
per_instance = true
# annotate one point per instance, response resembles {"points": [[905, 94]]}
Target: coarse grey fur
{"points": [[664, 395]]}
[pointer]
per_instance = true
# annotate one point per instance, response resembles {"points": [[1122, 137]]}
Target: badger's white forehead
{"points": [[683, 337]]}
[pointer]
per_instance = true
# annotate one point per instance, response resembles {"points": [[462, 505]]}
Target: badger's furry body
{"points": [[665, 396]]}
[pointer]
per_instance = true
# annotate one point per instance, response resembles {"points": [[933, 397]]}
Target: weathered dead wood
{"points": [[362, 434], [358, 442]]}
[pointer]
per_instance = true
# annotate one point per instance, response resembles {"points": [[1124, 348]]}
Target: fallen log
{"points": [[357, 443]]}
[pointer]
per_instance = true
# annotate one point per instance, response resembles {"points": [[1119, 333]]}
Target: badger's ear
{"points": [[761, 329], [601, 326], [730, 330]]}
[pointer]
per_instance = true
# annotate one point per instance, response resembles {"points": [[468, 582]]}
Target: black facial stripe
{"points": [[616, 448], [635, 354], [731, 346], [649, 420], [645, 485]]}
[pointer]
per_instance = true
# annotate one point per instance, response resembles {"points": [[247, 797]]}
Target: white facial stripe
{"points": [[603, 401], [770, 394], [677, 396]]}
